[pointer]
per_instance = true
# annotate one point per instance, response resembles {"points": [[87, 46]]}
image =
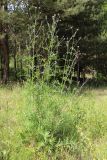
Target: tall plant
{"points": [[43, 47]]}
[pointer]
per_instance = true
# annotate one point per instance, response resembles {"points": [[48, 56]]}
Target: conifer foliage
{"points": [[17, 17]]}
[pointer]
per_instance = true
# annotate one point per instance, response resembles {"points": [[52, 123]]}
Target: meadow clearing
{"points": [[40, 123]]}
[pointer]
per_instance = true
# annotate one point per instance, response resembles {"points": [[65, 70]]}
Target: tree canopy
{"points": [[20, 20]]}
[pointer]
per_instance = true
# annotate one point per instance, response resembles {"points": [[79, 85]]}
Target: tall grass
{"points": [[42, 123]]}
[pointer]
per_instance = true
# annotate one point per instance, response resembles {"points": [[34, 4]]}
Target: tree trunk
{"points": [[15, 61], [4, 46], [5, 59]]}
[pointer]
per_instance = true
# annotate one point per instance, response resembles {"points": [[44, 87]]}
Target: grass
{"points": [[38, 122]]}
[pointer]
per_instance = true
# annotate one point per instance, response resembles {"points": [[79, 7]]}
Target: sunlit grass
{"points": [[38, 122]]}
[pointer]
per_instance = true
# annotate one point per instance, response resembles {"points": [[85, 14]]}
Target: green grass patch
{"points": [[38, 122]]}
